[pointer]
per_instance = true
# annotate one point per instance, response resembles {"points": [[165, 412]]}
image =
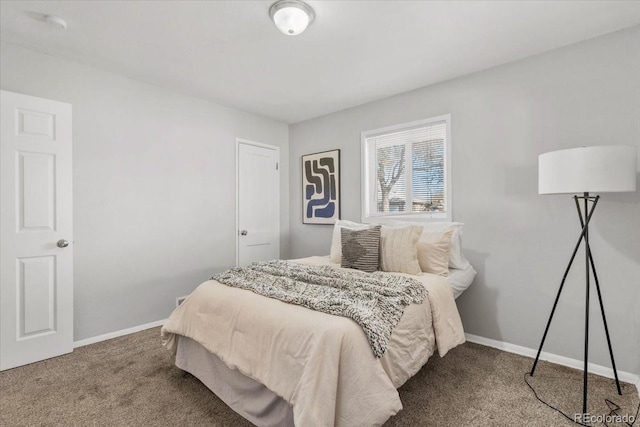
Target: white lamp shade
{"points": [[600, 169]]}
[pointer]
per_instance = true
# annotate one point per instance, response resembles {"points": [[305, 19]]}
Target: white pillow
{"points": [[399, 249], [456, 257], [433, 252], [336, 242]]}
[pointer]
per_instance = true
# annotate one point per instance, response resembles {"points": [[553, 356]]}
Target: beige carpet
{"points": [[131, 381]]}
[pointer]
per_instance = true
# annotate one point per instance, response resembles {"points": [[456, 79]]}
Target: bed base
{"points": [[244, 395]]}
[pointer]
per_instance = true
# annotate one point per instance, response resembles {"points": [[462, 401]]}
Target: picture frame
{"points": [[321, 187]]}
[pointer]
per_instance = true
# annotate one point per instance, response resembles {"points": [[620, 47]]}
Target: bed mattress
{"points": [[460, 280]]}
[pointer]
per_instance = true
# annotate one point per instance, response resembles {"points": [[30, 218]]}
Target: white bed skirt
{"points": [[244, 395]]}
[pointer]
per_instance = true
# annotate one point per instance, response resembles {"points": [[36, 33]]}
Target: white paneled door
{"points": [[36, 230], [258, 202]]}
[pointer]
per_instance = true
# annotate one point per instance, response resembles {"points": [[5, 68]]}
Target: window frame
{"points": [[368, 178]]}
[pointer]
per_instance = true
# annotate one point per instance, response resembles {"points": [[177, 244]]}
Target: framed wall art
{"points": [[321, 187]]}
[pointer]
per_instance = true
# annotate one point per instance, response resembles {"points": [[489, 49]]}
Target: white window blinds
{"points": [[407, 170]]}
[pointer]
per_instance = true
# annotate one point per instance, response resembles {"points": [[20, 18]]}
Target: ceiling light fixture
{"points": [[291, 16], [56, 22]]}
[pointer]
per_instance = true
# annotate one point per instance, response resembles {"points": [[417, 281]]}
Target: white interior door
{"points": [[258, 203], [36, 281]]}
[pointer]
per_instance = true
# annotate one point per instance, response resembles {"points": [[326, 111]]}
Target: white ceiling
{"points": [[230, 52]]}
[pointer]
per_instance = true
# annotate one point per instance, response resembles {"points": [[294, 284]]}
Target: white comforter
{"points": [[321, 364]]}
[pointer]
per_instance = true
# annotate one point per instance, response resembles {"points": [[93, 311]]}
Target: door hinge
{"points": [[276, 165]]}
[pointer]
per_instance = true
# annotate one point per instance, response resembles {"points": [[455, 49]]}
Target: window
{"points": [[405, 171]]}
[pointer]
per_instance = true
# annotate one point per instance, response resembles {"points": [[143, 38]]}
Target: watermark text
{"points": [[604, 419]]}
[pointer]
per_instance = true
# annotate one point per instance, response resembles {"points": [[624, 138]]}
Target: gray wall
{"points": [[520, 242], [154, 194]]}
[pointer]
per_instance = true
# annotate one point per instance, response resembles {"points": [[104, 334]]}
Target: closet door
{"points": [[258, 202], [36, 230]]}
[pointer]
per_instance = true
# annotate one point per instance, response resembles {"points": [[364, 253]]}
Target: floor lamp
{"points": [[586, 170]]}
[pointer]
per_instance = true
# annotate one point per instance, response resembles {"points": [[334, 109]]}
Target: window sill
{"points": [[408, 217]]}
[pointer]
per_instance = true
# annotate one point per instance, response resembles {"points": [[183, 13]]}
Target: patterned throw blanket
{"points": [[376, 301]]}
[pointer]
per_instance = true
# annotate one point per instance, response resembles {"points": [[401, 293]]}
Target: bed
{"points": [[460, 279], [280, 364]]}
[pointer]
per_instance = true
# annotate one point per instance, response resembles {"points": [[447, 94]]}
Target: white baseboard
{"points": [[554, 358], [117, 334]]}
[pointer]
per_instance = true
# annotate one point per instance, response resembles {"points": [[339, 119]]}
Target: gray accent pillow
{"points": [[361, 248]]}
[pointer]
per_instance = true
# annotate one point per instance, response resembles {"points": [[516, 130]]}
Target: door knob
{"points": [[244, 232], [63, 243]]}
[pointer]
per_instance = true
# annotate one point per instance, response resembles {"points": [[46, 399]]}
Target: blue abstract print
{"points": [[321, 187]]}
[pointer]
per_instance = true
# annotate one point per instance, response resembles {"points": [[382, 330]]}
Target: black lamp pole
{"points": [[590, 267]]}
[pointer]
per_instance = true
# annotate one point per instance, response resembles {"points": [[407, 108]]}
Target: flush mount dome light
{"points": [[291, 16]]}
